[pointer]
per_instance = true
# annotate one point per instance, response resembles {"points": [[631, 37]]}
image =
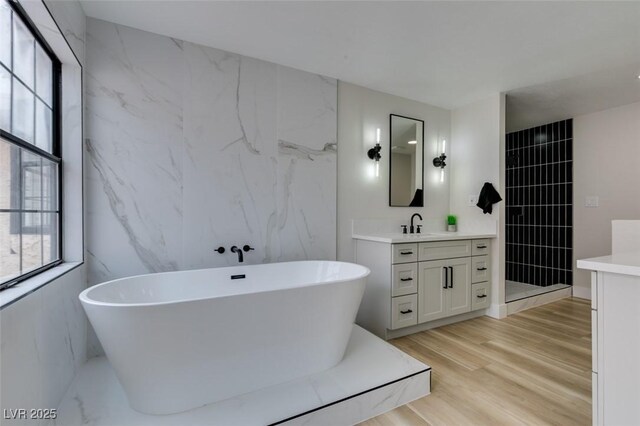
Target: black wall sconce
{"points": [[374, 153], [439, 161]]}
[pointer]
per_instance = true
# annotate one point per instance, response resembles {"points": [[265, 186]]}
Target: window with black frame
{"points": [[30, 217]]}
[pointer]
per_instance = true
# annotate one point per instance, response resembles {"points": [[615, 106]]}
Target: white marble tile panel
{"points": [[191, 148], [43, 341], [229, 159], [134, 147]]}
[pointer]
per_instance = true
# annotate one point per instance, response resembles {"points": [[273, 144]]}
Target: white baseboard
{"points": [[497, 311], [393, 334], [582, 292], [533, 301]]}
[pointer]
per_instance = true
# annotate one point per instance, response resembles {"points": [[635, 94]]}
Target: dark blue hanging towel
{"points": [[488, 197]]}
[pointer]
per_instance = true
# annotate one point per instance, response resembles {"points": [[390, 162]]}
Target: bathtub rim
{"points": [[83, 296]]}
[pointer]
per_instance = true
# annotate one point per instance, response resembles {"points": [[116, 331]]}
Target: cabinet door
{"points": [[431, 290], [459, 292]]}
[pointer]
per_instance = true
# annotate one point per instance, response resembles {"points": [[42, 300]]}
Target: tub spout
{"points": [[238, 251]]}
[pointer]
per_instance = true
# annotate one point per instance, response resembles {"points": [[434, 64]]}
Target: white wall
{"points": [[606, 163], [360, 194], [477, 134]]}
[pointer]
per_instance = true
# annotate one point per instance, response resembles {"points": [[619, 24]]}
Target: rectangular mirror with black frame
{"points": [[406, 162]]}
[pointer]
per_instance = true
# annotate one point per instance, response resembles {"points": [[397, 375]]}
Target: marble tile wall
{"points": [[70, 18], [190, 148], [44, 343]]}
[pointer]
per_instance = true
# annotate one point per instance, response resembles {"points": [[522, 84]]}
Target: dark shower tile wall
{"points": [[539, 168]]}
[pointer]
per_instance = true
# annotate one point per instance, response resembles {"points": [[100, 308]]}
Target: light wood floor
{"points": [[533, 367]]}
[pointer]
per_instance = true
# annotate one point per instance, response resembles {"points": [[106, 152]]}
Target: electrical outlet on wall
{"points": [[473, 200], [591, 201]]}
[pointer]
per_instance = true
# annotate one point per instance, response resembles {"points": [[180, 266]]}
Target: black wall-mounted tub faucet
{"points": [[238, 251]]}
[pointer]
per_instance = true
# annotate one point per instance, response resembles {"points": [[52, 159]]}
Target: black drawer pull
{"points": [[481, 247], [481, 269], [481, 296], [446, 277], [408, 311], [406, 252], [406, 279]]}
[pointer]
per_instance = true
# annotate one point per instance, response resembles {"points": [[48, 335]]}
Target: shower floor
{"points": [[516, 291]]}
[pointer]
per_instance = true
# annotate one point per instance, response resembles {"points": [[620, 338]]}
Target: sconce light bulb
{"points": [[412, 142], [377, 166], [378, 135], [444, 146], [441, 175]]}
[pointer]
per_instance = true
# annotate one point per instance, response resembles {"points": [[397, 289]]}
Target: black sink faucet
{"points": [[411, 228], [238, 251]]}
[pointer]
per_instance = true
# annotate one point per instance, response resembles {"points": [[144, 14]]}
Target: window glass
{"points": [[29, 161], [49, 185], [22, 112], [5, 34], [43, 126], [23, 52], [5, 100], [50, 235], [9, 175], [44, 75], [10, 250], [31, 255]]}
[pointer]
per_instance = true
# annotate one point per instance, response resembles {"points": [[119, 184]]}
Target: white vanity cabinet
{"points": [[413, 284], [444, 286], [615, 338]]}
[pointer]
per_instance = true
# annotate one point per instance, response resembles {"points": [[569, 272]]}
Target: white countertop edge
{"points": [[427, 237], [622, 263]]}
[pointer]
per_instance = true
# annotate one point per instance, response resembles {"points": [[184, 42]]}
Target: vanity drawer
{"points": [[404, 279], [444, 250], [481, 247], [404, 311], [480, 269], [404, 253], [480, 295]]}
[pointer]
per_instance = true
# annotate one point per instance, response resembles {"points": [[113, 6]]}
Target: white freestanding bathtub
{"points": [[180, 340]]}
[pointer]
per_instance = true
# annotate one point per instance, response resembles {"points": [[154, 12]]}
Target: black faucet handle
{"points": [[247, 247], [404, 229], [220, 250], [418, 228]]}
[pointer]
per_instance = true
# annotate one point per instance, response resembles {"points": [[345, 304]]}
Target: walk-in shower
{"points": [[539, 193]]}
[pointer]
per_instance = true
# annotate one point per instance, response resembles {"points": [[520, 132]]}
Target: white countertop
{"points": [[393, 238], [621, 263]]}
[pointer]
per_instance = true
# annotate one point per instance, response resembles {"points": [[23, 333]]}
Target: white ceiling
{"points": [[567, 98], [443, 53]]}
